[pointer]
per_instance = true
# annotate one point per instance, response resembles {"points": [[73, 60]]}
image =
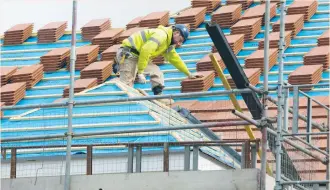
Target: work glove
{"points": [[195, 76], [141, 79]]}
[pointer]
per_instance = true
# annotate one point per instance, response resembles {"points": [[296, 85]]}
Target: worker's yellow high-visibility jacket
{"points": [[151, 43]]}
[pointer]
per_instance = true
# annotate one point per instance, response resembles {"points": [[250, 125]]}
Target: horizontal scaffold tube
{"points": [[130, 99], [182, 127]]}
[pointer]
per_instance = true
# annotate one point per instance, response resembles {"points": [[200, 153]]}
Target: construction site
{"points": [[252, 114]]}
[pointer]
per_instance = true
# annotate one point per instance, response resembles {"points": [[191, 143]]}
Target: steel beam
{"points": [[229, 58]]}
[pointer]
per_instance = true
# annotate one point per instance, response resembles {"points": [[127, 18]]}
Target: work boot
{"points": [[158, 90]]}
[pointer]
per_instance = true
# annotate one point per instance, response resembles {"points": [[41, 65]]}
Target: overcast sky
{"points": [[41, 12]]}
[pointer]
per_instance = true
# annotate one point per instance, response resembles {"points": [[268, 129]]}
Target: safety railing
{"points": [[310, 130], [134, 155]]}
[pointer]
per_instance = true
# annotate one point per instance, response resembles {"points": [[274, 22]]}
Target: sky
{"points": [[41, 12]]}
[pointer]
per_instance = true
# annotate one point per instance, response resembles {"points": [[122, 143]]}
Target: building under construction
{"points": [[257, 119]]}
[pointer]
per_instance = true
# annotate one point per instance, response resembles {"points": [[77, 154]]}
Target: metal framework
{"points": [[132, 99], [248, 157]]}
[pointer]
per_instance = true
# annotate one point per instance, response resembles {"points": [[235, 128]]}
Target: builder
{"points": [[137, 51]]}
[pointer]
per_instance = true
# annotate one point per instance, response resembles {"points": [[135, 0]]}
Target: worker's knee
{"points": [[156, 74], [126, 78]]}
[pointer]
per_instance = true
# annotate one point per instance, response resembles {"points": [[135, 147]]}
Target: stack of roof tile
{"points": [[94, 27], [18, 34], [51, 32], [153, 20], [107, 38], [85, 56], [134, 23], [259, 12], [6, 73], [236, 43], [294, 23], [306, 74], [12, 93], [29, 74], [256, 59], [193, 16], [128, 33], [228, 15], [110, 53], [272, 1], [274, 39], [253, 76], [80, 85], [324, 39], [205, 64], [245, 3], [307, 7], [210, 4], [55, 59], [200, 84], [158, 60], [100, 70], [318, 56], [250, 28]]}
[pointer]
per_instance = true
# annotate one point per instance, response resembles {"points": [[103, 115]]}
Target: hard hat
{"points": [[183, 30]]}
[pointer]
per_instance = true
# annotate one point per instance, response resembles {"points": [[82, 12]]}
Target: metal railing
{"points": [[305, 138], [248, 155]]}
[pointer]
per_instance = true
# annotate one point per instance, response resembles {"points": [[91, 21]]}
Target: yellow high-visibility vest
{"points": [[151, 43]]}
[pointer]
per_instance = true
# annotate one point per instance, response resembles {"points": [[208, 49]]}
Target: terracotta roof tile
{"points": [[291, 18], [245, 3], [191, 12], [155, 15], [227, 9], [57, 51], [28, 69], [111, 33], [86, 49], [96, 22], [306, 70], [20, 27], [137, 20], [53, 25], [7, 70], [323, 50], [12, 87], [185, 104], [247, 22]]}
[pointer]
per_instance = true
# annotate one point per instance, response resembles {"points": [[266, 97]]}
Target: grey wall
{"points": [[41, 12], [193, 180]]}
